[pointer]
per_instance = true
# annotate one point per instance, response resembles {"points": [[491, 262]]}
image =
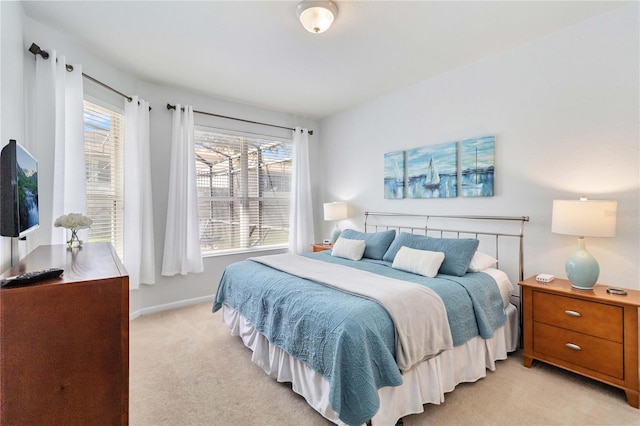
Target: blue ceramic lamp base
{"points": [[335, 233], [582, 268]]}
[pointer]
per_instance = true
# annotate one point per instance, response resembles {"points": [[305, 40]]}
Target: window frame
{"points": [[118, 110], [253, 135]]}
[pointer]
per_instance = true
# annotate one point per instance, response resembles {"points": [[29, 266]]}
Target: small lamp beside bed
{"points": [[336, 211], [583, 218]]}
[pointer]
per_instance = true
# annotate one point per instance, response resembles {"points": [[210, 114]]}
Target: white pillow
{"points": [[422, 262], [481, 261], [349, 249]]}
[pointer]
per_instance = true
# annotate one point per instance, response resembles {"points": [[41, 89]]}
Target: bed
{"points": [[391, 319]]}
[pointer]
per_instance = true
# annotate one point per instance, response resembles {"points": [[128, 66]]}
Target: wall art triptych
{"points": [[432, 171]]}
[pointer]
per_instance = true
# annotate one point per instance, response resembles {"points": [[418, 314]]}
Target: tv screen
{"points": [[19, 191]]}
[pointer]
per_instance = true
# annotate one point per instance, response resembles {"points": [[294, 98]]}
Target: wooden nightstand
{"points": [[321, 247], [589, 332]]}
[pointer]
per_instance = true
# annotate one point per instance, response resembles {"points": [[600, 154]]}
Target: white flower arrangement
{"points": [[73, 221]]}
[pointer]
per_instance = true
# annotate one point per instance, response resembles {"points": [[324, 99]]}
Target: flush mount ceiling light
{"points": [[316, 16]]}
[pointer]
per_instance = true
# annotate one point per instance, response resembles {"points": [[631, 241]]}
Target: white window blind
{"points": [[244, 186], [103, 142]]}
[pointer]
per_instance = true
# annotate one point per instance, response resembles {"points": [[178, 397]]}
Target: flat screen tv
{"points": [[19, 213]]}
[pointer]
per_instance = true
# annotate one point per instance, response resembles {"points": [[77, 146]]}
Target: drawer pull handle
{"points": [[573, 346], [573, 313]]}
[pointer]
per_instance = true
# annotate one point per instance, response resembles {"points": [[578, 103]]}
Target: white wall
{"points": [[564, 110], [11, 70], [168, 291], [565, 113]]}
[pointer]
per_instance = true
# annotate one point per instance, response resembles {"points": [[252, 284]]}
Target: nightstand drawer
{"points": [[593, 318], [596, 354]]}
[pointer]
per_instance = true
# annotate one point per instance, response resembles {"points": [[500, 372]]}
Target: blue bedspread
{"points": [[346, 338]]}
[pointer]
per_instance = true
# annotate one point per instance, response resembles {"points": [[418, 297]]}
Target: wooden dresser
{"points": [[64, 342], [589, 332]]}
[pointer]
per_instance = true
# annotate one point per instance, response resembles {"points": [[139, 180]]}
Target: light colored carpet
{"points": [[186, 369]]}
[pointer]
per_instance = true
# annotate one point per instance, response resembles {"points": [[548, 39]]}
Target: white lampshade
{"points": [[336, 211], [316, 16], [584, 218]]}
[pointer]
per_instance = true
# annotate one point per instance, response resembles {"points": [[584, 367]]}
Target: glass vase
{"points": [[74, 241]]}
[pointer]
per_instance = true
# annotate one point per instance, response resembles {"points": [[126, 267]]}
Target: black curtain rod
{"points": [[169, 106], [36, 50]]}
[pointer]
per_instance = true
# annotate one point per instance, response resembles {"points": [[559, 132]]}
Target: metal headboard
{"points": [[424, 228]]}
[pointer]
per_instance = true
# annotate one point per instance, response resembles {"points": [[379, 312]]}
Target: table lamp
{"points": [[583, 218], [336, 211]]}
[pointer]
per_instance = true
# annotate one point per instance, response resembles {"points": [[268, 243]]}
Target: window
{"points": [[244, 184], [103, 147]]}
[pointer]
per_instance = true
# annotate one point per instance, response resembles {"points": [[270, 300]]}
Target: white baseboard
{"points": [[168, 306]]}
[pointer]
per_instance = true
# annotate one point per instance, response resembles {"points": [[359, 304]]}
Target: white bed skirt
{"points": [[425, 384]]}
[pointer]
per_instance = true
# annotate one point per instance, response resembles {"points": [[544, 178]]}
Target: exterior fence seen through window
{"points": [[244, 186]]}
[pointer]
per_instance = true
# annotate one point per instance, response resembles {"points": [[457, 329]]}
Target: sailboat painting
{"points": [[477, 164], [432, 171], [394, 175]]}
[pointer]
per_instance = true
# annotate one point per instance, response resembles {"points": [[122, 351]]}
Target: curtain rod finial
{"points": [[35, 49]]}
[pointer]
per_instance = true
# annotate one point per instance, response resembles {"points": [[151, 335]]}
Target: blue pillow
{"points": [[377, 243], [458, 252]]}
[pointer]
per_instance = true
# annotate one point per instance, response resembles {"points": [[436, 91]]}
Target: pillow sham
{"points": [[376, 243], [481, 261], [457, 251], [349, 249], [421, 262]]}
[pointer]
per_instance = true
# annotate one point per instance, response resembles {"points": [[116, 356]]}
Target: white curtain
{"points": [[58, 145], [182, 253], [139, 258], [301, 214]]}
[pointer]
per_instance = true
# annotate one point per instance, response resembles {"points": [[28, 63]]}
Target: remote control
{"points": [[613, 290], [32, 277]]}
